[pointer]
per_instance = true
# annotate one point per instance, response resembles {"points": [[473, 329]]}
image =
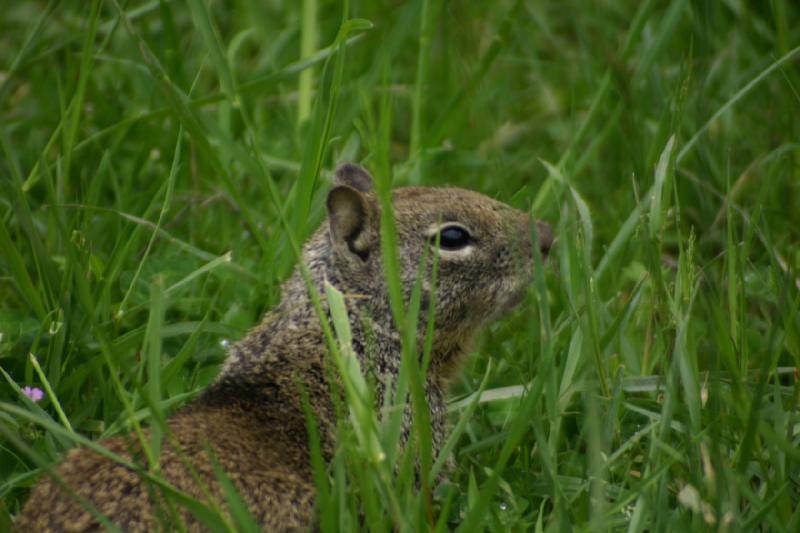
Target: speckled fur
{"points": [[251, 418]]}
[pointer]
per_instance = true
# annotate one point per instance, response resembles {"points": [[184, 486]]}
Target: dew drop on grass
{"points": [[224, 343], [627, 511], [503, 506]]}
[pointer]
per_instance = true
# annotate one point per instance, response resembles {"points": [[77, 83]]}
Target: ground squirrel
{"points": [[252, 416]]}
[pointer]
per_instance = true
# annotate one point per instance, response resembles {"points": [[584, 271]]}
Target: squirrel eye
{"points": [[453, 238]]}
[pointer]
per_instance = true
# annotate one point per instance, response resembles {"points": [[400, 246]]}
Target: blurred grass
{"points": [[161, 162]]}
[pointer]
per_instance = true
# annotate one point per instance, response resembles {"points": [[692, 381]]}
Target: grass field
{"points": [[156, 157]]}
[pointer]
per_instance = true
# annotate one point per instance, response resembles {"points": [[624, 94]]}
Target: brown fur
{"points": [[252, 419]]}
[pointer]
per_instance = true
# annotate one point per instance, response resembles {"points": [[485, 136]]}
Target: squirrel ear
{"points": [[354, 176], [545, 235], [350, 217]]}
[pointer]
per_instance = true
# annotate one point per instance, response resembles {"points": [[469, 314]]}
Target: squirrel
{"points": [[250, 421]]}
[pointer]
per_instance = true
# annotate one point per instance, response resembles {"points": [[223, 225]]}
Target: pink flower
{"points": [[34, 393]]}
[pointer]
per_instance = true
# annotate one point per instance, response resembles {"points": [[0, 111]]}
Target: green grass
{"points": [[161, 162]]}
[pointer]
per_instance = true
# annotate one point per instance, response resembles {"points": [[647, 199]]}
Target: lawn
{"points": [[161, 160]]}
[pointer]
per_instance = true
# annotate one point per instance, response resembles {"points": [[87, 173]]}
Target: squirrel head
{"points": [[484, 249]]}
